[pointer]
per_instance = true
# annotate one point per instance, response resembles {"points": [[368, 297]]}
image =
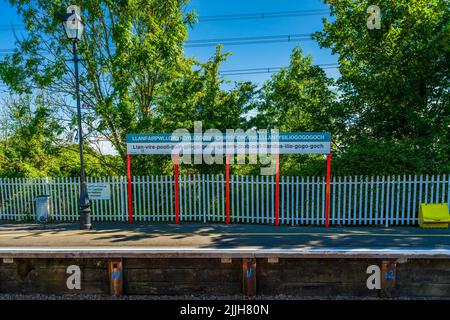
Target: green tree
{"points": [[199, 96], [34, 144], [135, 77], [131, 52], [30, 141], [298, 99], [395, 102]]}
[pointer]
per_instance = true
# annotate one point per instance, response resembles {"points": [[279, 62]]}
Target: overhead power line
{"points": [[264, 15], [248, 40], [269, 70], [227, 17], [224, 41], [11, 28], [11, 50]]}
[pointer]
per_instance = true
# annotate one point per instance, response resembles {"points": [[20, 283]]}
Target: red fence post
{"points": [[177, 195], [277, 191], [227, 188], [130, 192], [327, 196]]}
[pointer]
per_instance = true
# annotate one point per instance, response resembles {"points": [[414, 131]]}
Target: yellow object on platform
{"points": [[434, 215]]}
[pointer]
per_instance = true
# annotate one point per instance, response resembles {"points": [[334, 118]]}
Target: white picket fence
{"points": [[388, 201]]}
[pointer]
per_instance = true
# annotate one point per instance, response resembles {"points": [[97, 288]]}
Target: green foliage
{"points": [[27, 150], [34, 147], [395, 104], [131, 51], [68, 163], [298, 99], [199, 96]]}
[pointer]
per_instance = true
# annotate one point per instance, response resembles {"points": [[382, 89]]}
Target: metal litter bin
{"points": [[43, 208]]}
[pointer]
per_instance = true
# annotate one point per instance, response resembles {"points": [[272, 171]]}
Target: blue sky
{"points": [[8, 17], [243, 56], [259, 55]]}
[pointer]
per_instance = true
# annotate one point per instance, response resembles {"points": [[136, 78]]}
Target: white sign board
{"points": [[99, 191], [231, 144]]}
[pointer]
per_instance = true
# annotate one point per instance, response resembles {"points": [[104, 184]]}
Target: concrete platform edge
{"points": [[129, 252]]}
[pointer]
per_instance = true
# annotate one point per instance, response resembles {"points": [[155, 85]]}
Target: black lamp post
{"points": [[74, 28]]}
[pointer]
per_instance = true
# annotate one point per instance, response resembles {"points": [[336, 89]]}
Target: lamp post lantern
{"points": [[74, 28]]}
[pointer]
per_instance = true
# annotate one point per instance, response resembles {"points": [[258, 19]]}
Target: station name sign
{"points": [[230, 143]]}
